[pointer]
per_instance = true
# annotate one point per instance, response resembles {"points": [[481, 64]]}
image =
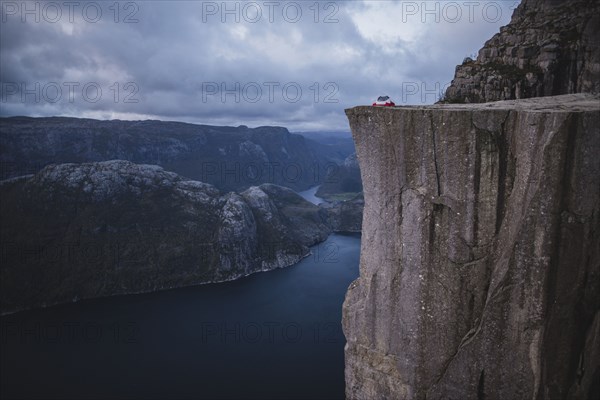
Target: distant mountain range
{"points": [[98, 208], [230, 158]]}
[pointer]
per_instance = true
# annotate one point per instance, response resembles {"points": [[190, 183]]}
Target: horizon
{"points": [[180, 122], [291, 64]]}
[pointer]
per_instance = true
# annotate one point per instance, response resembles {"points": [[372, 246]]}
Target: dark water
{"points": [[270, 335]]}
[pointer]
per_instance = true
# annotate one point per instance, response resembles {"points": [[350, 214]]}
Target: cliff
{"points": [[480, 259], [230, 158], [75, 231], [550, 47]]}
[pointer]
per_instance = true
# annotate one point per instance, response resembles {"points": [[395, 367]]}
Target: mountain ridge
{"points": [[231, 158]]}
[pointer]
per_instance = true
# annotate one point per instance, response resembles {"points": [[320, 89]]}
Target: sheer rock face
{"points": [[480, 260], [550, 47], [75, 231]]}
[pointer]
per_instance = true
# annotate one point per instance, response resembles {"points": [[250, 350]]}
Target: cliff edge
{"points": [[480, 259]]}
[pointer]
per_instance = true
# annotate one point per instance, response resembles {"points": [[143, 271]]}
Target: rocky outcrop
{"points": [[480, 259], [230, 158], [75, 231], [550, 47]]}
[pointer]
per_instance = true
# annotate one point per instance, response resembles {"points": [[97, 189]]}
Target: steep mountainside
{"points": [[229, 158], [550, 47], [480, 260], [77, 231]]}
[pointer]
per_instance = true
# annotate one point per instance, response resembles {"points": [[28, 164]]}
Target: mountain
{"points": [[338, 144], [230, 158], [550, 47], [75, 231]]}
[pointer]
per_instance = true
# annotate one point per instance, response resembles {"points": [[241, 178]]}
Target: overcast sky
{"points": [[293, 64]]}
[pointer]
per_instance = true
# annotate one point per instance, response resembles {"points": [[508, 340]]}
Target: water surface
{"points": [[270, 335], [309, 195]]}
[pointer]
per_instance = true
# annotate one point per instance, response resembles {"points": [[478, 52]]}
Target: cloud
{"points": [[293, 64]]}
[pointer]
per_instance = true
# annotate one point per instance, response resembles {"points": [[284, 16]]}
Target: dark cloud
{"points": [[170, 60]]}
